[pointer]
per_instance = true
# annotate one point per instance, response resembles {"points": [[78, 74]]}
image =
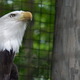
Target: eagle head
{"points": [[12, 28]]}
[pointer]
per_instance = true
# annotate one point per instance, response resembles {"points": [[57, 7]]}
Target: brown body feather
{"points": [[8, 70]]}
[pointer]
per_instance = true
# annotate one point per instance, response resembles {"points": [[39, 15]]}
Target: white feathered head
{"points": [[12, 28]]}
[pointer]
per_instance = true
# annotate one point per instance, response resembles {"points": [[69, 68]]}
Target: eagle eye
{"points": [[12, 15]]}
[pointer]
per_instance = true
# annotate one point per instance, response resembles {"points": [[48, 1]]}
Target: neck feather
{"points": [[11, 38]]}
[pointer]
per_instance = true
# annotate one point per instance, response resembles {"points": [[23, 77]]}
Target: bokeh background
{"points": [[34, 61]]}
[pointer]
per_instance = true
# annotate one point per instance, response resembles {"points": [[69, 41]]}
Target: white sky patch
{"points": [[9, 1], [41, 5]]}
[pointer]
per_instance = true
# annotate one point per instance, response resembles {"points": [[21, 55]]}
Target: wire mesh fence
{"points": [[35, 56]]}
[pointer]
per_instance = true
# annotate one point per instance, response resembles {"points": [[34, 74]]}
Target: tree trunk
{"points": [[67, 41]]}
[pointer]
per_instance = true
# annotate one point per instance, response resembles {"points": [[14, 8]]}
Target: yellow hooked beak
{"points": [[26, 16]]}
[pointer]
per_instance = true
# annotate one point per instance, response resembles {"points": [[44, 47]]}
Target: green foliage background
{"points": [[34, 59]]}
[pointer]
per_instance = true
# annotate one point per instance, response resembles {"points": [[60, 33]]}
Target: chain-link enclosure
{"points": [[34, 59]]}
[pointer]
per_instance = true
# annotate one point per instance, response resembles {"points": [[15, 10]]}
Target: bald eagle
{"points": [[12, 28]]}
